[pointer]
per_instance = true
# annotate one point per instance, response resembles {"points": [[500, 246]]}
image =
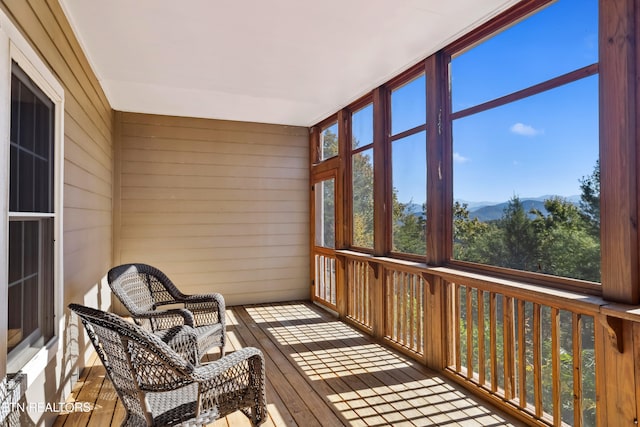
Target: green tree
{"points": [[362, 187], [467, 233], [521, 242], [567, 247], [409, 229], [590, 199]]}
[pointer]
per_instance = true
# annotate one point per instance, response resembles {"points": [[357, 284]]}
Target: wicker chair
{"points": [[144, 290], [159, 387]]}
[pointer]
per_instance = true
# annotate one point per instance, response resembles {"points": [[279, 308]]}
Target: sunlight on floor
{"points": [[352, 360], [304, 334], [282, 313]]}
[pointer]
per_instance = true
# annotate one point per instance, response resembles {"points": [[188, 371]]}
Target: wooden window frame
{"points": [[619, 101], [500, 23], [408, 76]]}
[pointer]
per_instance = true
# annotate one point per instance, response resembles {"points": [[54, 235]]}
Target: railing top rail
{"points": [[396, 264], [559, 298]]}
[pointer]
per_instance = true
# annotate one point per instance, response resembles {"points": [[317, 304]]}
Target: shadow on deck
{"points": [[320, 372]]}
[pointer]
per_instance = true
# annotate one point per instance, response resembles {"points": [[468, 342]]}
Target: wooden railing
{"points": [[359, 298], [530, 349], [404, 309], [325, 279], [536, 356]]}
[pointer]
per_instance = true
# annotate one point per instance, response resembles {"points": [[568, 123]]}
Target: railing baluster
{"points": [[469, 308], [492, 339], [388, 309], [362, 283], [402, 326], [577, 326], [421, 313], [412, 311], [456, 318], [522, 363], [508, 345], [481, 358], [537, 360], [555, 355]]}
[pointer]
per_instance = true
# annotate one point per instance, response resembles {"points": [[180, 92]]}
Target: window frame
{"points": [[501, 23], [14, 48], [403, 79], [348, 167], [618, 56]]}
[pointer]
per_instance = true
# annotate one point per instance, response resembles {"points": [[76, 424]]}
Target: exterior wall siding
{"points": [[88, 188], [219, 206]]}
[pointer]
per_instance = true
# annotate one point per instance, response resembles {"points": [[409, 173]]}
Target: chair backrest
{"points": [[140, 287], [135, 360]]}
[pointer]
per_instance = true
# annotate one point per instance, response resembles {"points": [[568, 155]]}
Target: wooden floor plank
{"points": [[319, 372]]}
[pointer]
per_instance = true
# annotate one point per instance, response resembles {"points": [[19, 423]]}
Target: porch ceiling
{"points": [[278, 61]]}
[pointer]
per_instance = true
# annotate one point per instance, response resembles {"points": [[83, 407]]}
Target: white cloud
{"points": [[459, 159], [525, 130]]}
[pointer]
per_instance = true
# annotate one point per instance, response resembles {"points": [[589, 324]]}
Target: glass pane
{"points": [[31, 172], [409, 106], [13, 179], [24, 278], [409, 181], [15, 104], [31, 247], [329, 142], [43, 130], [325, 213], [15, 333], [27, 105], [559, 39], [15, 251], [26, 185], [527, 184], [362, 184], [42, 186], [362, 127]]}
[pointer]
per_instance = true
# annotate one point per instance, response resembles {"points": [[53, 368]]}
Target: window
{"points": [[525, 133], [31, 216], [409, 167], [328, 142], [325, 217], [362, 177], [32, 158]]}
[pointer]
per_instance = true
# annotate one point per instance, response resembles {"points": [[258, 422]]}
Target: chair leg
{"points": [[222, 352]]}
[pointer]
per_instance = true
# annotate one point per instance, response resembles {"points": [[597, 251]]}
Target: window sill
{"points": [[36, 363]]}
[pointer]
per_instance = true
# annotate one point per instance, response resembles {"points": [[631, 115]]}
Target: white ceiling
{"points": [[273, 61]]}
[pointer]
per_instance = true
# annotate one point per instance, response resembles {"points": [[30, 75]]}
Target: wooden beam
{"points": [[618, 161]]}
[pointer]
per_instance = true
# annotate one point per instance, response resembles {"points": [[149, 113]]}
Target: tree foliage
{"points": [[564, 241]]}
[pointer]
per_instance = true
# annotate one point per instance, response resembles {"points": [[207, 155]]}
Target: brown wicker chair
{"points": [[144, 290], [159, 387]]}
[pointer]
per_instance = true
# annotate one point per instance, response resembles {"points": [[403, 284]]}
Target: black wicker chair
{"points": [[159, 387], [144, 291]]}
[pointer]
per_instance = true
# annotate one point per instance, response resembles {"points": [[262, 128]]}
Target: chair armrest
{"points": [[174, 313], [183, 340], [210, 370], [207, 308], [240, 373]]}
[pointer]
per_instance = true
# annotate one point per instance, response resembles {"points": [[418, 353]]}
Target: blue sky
{"points": [[537, 146], [540, 145]]}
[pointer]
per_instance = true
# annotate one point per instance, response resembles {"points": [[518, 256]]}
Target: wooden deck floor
{"points": [[320, 372]]}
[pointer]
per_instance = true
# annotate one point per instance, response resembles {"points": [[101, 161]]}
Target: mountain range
{"points": [[489, 211]]}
